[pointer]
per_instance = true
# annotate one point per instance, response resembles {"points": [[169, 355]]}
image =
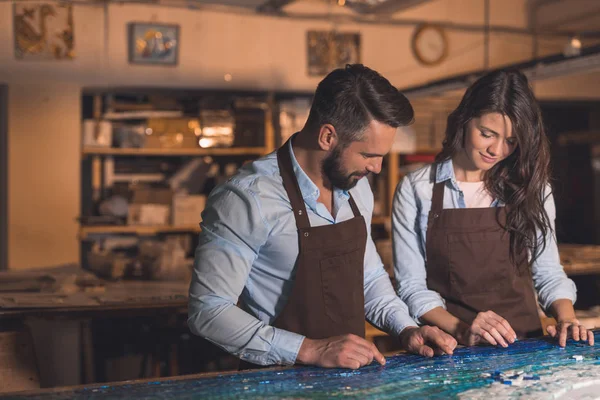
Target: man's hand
{"points": [[572, 328], [488, 327], [427, 341], [346, 351]]}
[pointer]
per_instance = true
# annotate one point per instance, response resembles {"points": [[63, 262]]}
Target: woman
{"points": [[472, 231]]}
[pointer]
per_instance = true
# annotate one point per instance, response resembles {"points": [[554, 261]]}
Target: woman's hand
{"points": [[570, 329], [487, 327]]}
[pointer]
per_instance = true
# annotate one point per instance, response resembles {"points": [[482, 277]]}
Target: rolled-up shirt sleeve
{"points": [[382, 307], [410, 272], [548, 274], [233, 231]]}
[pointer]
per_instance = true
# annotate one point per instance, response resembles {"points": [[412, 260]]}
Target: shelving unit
{"points": [[99, 104], [252, 111]]}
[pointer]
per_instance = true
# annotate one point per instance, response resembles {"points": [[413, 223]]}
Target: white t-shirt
{"points": [[475, 194]]}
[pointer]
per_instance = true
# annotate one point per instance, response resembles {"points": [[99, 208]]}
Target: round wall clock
{"points": [[429, 44]]}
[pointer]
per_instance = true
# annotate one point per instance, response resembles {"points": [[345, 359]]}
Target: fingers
{"points": [[419, 340], [357, 352], [582, 333], [575, 332], [497, 327], [562, 338], [350, 363], [503, 327], [563, 330], [425, 351], [359, 349], [495, 334], [486, 335], [377, 355], [441, 340]]}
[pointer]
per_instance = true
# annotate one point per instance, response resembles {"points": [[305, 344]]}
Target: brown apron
{"points": [[327, 297], [469, 265]]}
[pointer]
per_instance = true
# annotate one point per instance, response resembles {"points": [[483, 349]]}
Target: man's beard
{"points": [[337, 176]]}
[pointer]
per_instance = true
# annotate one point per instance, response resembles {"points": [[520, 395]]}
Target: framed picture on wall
{"points": [[43, 31], [328, 50], [153, 44]]}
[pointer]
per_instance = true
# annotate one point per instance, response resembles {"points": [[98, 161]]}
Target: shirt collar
{"points": [[309, 190], [445, 172]]}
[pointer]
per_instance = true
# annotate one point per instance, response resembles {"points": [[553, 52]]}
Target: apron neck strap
{"points": [[437, 202], [354, 206], [290, 183]]}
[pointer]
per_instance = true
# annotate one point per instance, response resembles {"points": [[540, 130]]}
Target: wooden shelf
{"points": [[232, 151], [138, 230]]}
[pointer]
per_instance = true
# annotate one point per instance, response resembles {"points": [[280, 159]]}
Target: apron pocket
{"points": [[479, 262], [342, 286]]}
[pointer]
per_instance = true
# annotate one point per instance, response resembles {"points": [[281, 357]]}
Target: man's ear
{"points": [[328, 137]]}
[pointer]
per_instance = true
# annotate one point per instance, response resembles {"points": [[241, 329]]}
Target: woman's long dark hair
{"points": [[519, 181]]}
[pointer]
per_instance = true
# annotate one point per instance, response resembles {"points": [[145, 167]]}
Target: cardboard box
{"points": [[172, 133], [150, 206], [97, 133]]}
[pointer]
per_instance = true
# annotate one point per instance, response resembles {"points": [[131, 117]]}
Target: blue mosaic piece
{"points": [[404, 376]]}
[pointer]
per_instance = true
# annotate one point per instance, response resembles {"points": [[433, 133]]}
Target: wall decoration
{"points": [[43, 31], [154, 44], [328, 50], [429, 44]]}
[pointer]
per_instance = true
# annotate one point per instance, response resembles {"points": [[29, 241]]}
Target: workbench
{"points": [[79, 296], [533, 368]]}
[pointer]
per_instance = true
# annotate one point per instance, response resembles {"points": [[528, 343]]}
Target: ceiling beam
{"points": [[381, 20], [552, 66], [386, 7], [273, 6]]}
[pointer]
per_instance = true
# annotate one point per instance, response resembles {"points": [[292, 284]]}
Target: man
{"points": [[289, 237]]}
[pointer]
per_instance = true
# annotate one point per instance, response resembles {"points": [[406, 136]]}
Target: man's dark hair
{"points": [[350, 98]]}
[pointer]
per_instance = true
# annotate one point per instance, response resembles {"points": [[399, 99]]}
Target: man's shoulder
{"points": [[260, 177]]}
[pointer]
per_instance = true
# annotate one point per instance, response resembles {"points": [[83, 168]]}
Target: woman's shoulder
{"points": [[420, 175], [418, 182]]}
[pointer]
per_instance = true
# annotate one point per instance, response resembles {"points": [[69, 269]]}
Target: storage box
{"points": [[97, 133], [150, 206], [172, 133], [187, 209]]}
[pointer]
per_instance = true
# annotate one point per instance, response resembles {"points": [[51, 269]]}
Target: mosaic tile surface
{"points": [[536, 368]]}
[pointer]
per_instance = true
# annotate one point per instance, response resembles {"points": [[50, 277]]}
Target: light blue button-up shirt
{"points": [[410, 211], [248, 248]]}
